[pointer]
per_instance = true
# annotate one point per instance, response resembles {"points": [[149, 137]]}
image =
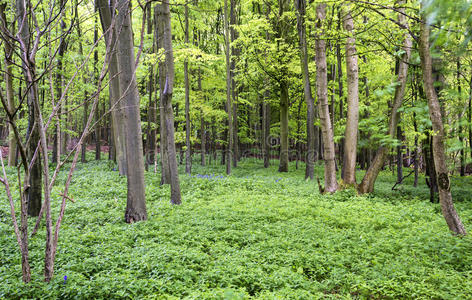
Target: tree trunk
{"points": [[283, 164], [136, 203], [164, 21], [151, 115], [350, 143], [188, 157], [310, 112], [266, 116], [107, 18], [12, 146], [229, 106], [444, 184], [234, 90], [368, 182], [331, 185]]}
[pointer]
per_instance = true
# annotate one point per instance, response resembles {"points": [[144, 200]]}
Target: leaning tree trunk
{"points": [[444, 184], [367, 184], [136, 203], [352, 121], [331, 185], [310, 111], [167, 90]]}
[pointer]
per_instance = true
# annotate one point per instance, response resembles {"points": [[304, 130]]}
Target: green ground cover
{"points": [[257, 233]]}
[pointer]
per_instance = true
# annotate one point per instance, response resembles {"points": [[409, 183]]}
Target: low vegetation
{"points": [[257, 233]]}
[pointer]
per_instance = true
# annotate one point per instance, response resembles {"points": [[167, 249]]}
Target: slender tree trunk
{"points": [[350, 144], [203, 139], [399, 155], [283, 164], [266, 117], [368, 182], [164, 21], [234, 89], [229, 105], [98, 151], [340, 91], [444, 184], [331, 185], [461, 134], [310, 111], [136, 203], [12, 146], [151, 115], [188, 157]]}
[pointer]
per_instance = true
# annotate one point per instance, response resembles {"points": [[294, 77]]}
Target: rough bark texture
{"points": [[167, 90], [367, 184], [352, 73], [136, 203], [331, 185], [444, 184], [283, 163], [310, 113]]}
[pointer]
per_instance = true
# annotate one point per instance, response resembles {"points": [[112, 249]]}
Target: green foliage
{"points": [[255, 234]]}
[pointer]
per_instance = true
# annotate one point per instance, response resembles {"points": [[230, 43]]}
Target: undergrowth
{"points": [[257, 233]]}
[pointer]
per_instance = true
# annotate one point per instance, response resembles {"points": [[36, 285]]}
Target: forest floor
{"points": [[257, 233]]}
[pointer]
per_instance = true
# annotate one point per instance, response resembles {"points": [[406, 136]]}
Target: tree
{"points": [[350, 141], [136, 203], [445, 198], [167, 85], [331, 185], [310, 129], [367, 184]]}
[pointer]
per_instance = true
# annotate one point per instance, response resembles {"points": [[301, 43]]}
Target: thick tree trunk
{"points": [[444, 184], [136, 203], [331, 184], [368, 182], [310, 111], [352, 122], [164, 21], [108, 18], [229, 105]]}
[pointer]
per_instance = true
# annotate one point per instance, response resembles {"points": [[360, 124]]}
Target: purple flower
{"points": [[65, 279]]}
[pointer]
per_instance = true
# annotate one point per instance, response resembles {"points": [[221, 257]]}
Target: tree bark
{"points": [[310, 111], [352, 122], [445, 198], [136, 203], [164, 21], [331, 184], [108, 20]]}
